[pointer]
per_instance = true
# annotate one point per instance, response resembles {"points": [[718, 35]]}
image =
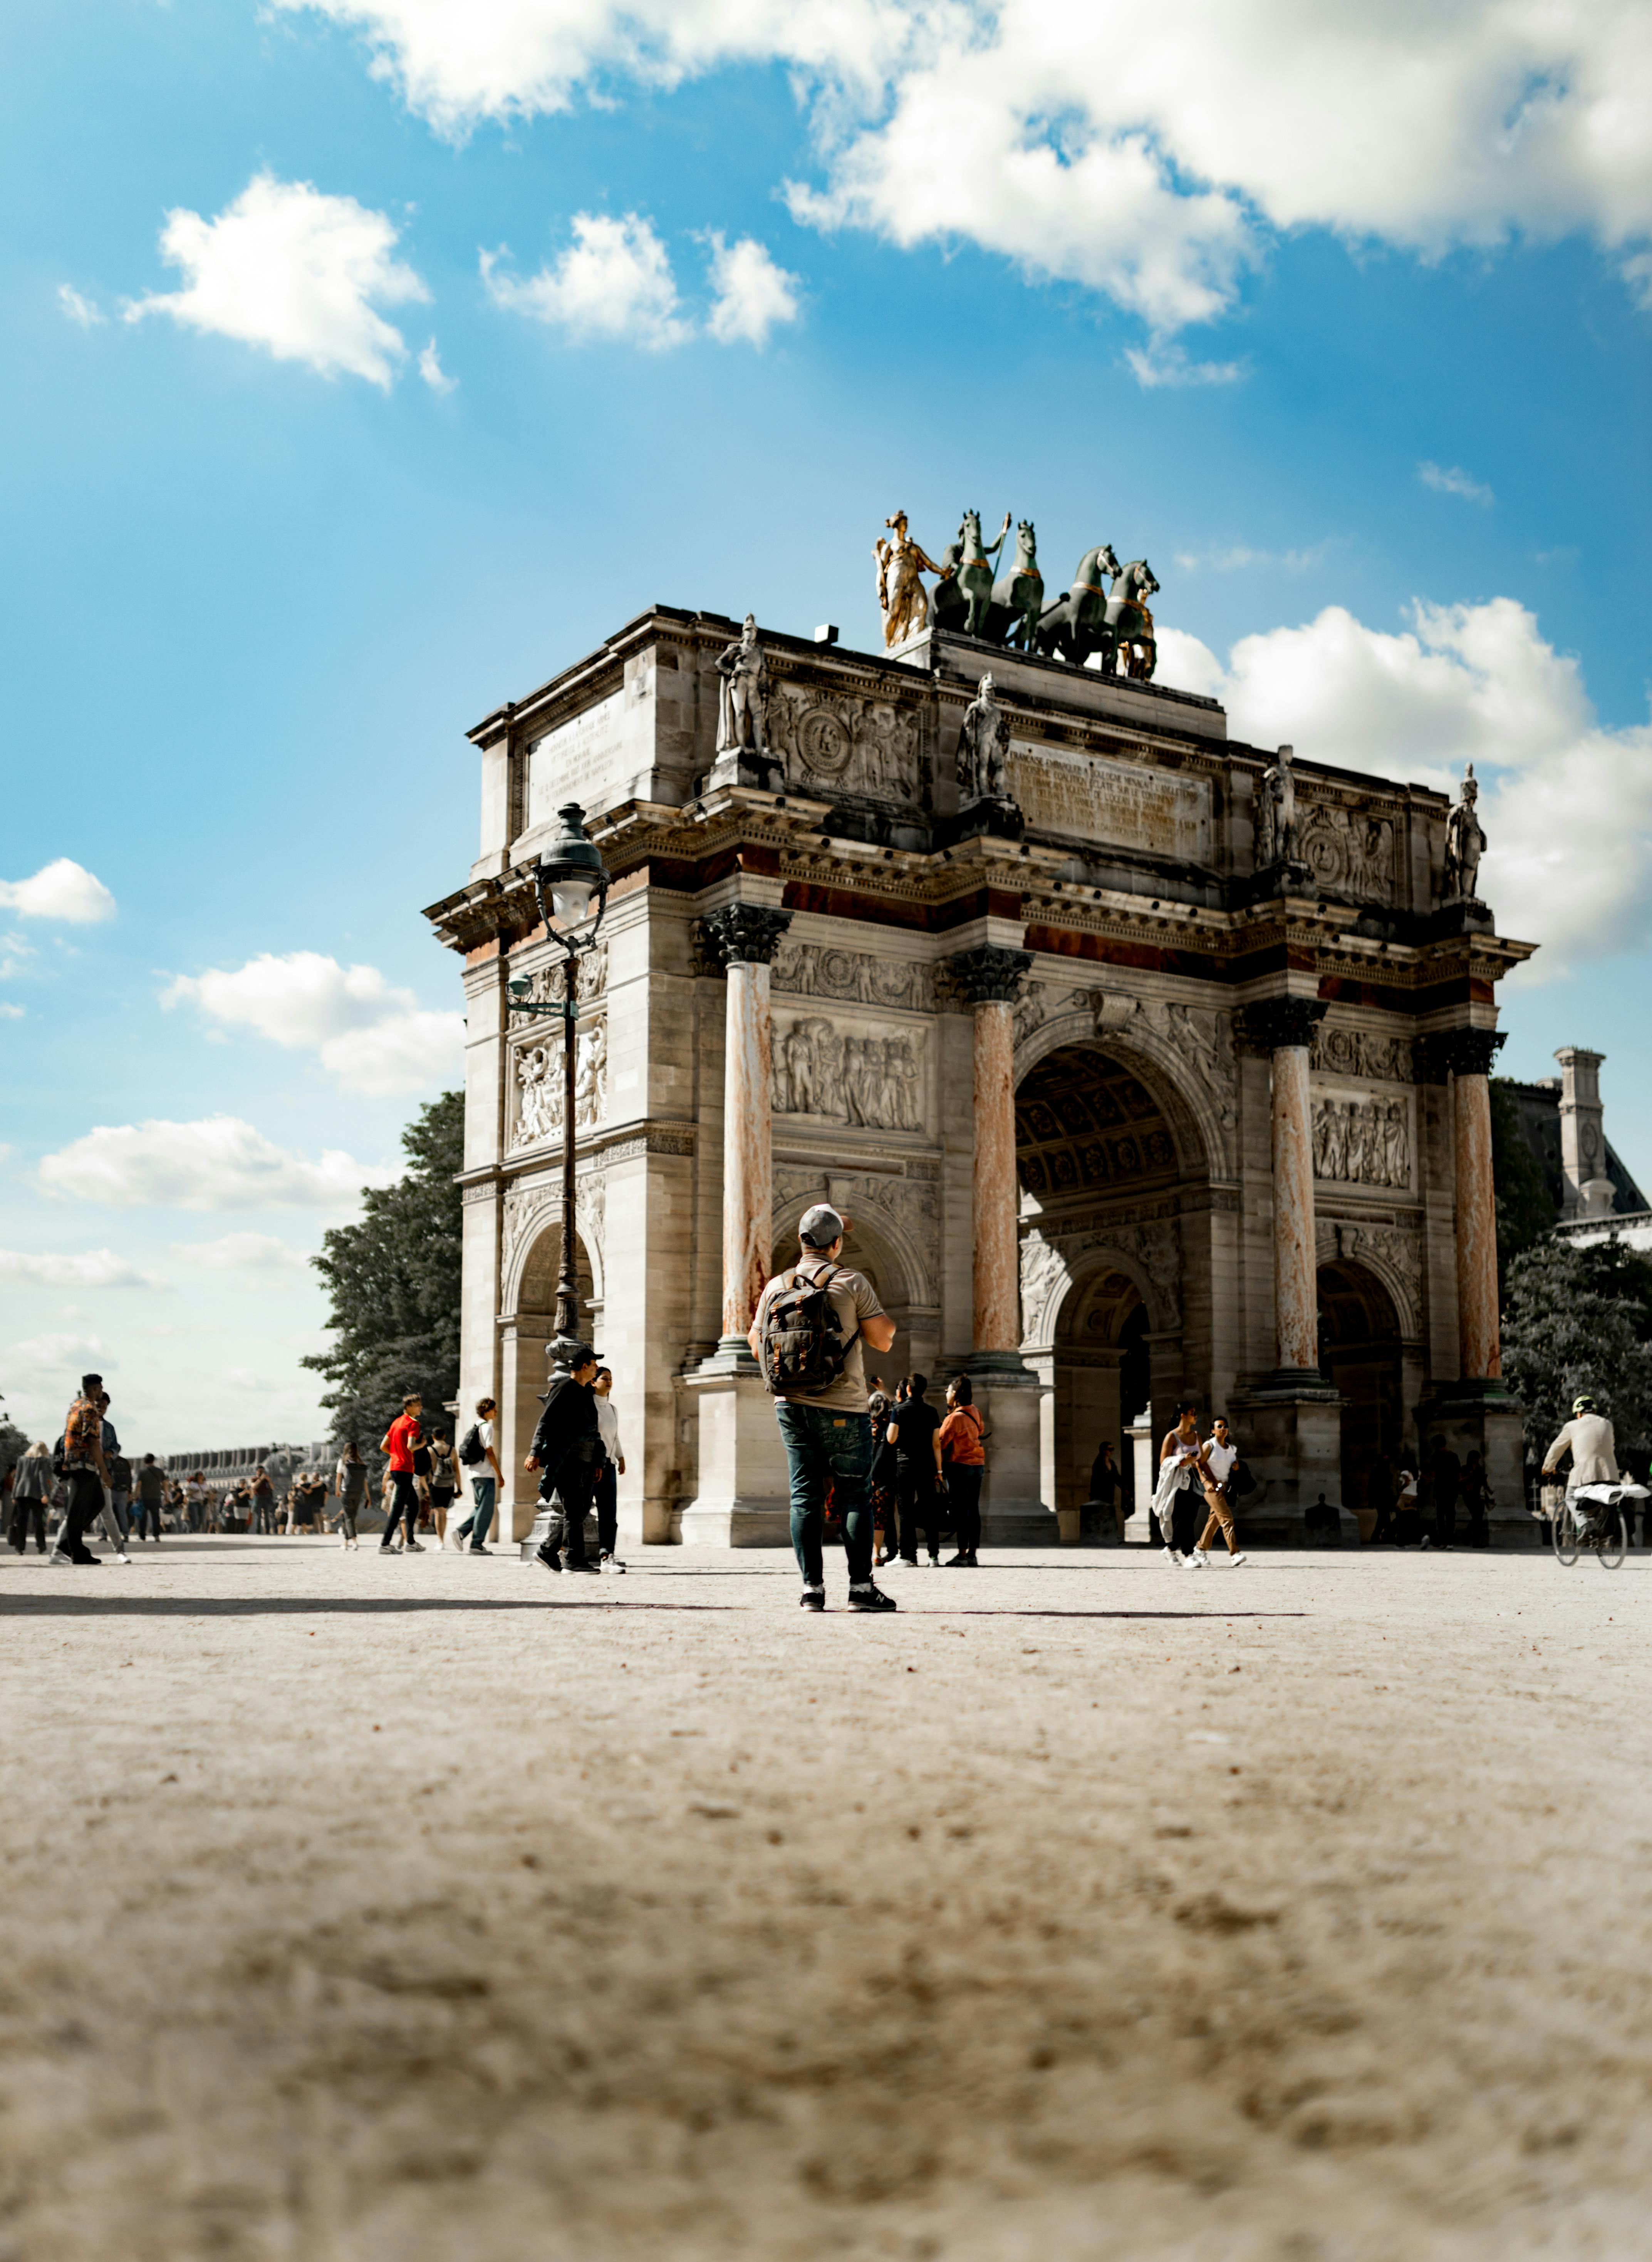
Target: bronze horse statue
{"points": [[1076, 625], [963, 597], [1132, 649], [1017, 595]]}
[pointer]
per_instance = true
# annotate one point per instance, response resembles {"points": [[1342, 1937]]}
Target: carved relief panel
{"points": [[814, 969], [865, 1074], [1348, 850], [1363, 1141], [832, 744], [536, 1080], [1356, 1052]]}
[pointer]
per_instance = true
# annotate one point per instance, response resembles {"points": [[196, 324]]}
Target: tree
{"points": [[1525, 1208], [1580, 1319], [14, 1443], [393, 1285]]}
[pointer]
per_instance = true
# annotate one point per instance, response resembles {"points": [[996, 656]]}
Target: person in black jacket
{"points": [[568, 1450]]}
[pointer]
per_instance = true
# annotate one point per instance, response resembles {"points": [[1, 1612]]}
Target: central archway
{"points": [[1106, 1149]]}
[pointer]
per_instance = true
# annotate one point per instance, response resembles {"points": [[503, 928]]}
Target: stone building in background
{"points": [[1563, 1122], [1143, 1061]]}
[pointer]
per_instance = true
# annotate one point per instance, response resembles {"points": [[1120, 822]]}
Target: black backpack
{"points": [[470, 1446], [803, 1350]]}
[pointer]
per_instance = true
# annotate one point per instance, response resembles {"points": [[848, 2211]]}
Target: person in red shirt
{"points": [[401, 1441], [963, 1461]]}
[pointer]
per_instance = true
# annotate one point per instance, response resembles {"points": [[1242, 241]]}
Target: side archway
{"points": [[1360, 1350]]}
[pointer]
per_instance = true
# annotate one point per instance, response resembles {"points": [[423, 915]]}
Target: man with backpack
{"points": [[477, 1453], [810, 1325], [80, 1459]]}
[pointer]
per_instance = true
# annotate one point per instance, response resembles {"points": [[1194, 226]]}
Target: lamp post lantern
{"points": [[568, 874]]}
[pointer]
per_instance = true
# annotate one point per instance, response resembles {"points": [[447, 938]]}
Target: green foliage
{"points": [[1525, 1213], [1581, 1319], [14, 1443], [393, 1286]]}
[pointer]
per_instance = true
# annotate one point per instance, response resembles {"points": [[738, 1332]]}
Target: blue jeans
{"points": [[821, 1444], [478, 1522]]}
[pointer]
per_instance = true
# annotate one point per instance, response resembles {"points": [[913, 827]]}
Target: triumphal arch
{"points": [[1143, 1061]]}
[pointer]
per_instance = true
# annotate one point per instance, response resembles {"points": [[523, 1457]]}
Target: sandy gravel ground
{"points": [[373, 1911]]}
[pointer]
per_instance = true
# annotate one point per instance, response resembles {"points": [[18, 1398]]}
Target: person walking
{"points": [[915, 1434], [1178, 1470], [85, 1471], [116, 1520], [567, 1445], [880, 1481], [809, 1332], [1216, 1474], [401, 1441], [1107, 1488], [477, 1452], [445, 1482], [262, 1504], [608, 1475], [30, 1489], [349, 1482], [962, 1440]]}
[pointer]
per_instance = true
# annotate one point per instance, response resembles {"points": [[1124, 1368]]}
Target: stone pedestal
{"points": [[1010, 1396], [744, 1496], [1484, 1418], [1291, 1438]]}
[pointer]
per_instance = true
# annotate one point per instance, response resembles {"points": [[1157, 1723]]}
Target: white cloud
{"points": [[216, 1162], [431, 371], [1455, 481], [1159, 363], [12, 1012], [754, 292], [295, 271], [613, 281], [62, 890], [1143, 158], [261, 1254], [78, 309], [1466, 683], [1240, 557], [91, 1268], [1637, 273], [370, 1036]]}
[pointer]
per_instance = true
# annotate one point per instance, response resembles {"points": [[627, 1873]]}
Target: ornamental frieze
{"points": [[1356, 1052], [853, 977], [1363, 1142], [830, 744]]}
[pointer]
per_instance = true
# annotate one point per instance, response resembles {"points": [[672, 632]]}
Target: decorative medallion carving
{"points": [[854, 977], [1356, 1052], [832, 744], [1348, 852], [1365, 1142]]}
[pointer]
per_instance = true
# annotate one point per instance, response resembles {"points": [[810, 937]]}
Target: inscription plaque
{"points": [[579, 760], [1089, 797]]}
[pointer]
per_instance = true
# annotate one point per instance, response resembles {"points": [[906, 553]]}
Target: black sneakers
{"points": [[812, 1598], [869, 1597], [584, 1564], [547, 1558]]}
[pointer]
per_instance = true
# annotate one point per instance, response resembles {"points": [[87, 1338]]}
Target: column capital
{"points": [[1272, 1024], [990, 976], [743, 934], [1440, 1053]]}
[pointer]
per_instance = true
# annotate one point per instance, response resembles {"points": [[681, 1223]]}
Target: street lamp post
{"points": [[568, 874]]}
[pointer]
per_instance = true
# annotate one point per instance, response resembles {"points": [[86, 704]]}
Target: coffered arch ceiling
{"points": [[1086, 1122]]}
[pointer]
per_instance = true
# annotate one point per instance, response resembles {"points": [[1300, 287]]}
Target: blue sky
{"points": [[1356, 352]]}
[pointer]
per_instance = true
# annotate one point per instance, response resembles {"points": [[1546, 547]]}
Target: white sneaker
{"points": [[1234, 1561], [119, 1558], [1198, 1560], [1170, 1556]]}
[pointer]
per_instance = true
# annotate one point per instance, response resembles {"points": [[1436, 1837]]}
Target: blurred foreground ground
{"points": [[429, 1910]]}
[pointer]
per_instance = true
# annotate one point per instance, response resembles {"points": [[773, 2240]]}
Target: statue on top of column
{"points": [[1276, 813], [1465, 844], [743, 696], [983, 745]]}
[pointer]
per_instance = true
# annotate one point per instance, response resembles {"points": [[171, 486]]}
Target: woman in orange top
{"points": [[964, 1459]]}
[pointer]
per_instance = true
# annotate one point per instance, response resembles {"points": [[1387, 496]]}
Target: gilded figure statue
{"points": [[901, 594]]}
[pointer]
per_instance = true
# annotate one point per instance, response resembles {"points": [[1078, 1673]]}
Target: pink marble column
{"points": [[1469, 1054], [990, 978], [1295, 1283], [748, 1177], [744, 936], [1285, 1026]]}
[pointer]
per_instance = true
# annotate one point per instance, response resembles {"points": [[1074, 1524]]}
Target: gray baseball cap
{"points": [[820, 1226]]}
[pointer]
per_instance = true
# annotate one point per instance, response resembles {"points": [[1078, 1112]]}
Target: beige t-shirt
{"points": [[852, 1299]]}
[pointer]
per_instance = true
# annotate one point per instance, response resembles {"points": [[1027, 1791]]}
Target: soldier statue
{"points": [[1465, 844], [743, 698], [983, 744], [1276, 813]]}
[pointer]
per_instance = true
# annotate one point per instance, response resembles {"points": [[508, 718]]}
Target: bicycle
{"points": [[1591, 1519]]}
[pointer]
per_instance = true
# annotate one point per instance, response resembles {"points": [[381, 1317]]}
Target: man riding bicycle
{"points": [[1589, 1439]]}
